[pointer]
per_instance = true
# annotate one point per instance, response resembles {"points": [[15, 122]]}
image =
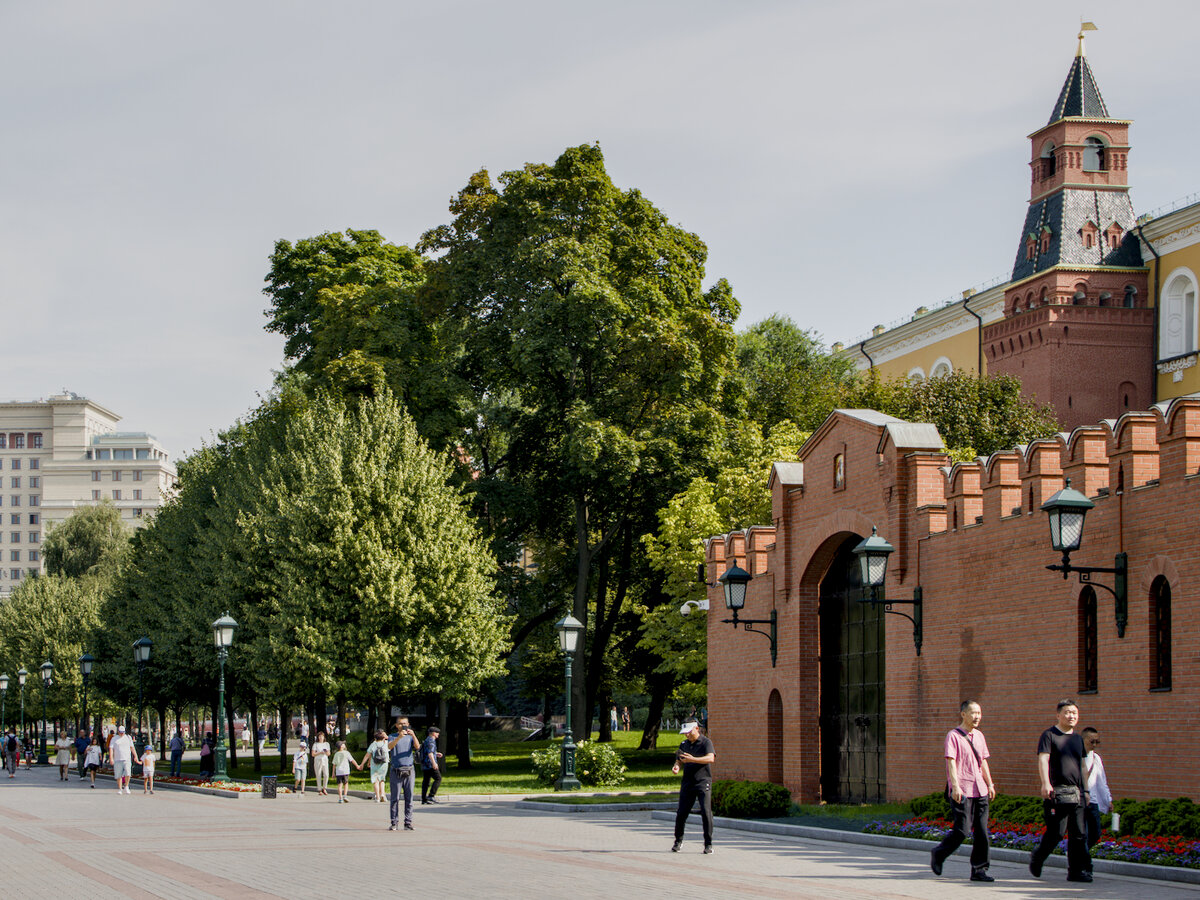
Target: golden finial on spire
{"points": [[1084, 26]]}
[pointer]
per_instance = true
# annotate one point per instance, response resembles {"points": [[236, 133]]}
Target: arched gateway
{"points": [[852, 720]]}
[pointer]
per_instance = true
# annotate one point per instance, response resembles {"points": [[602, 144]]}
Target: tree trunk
{"points": [[285, 724], [253, 724], [372, 721], [341, 717], [443, 713], [162, 731], [660, 686], [460, 725]]}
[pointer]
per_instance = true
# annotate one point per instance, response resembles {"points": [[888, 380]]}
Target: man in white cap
{"points": [[120, 752], [695, 755]]}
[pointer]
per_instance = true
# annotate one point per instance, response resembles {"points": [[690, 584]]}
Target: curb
{"points": [[591, 807], [1056, 861]]}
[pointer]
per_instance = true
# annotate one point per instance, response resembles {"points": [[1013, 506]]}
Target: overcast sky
{"points": [[844, 162]]}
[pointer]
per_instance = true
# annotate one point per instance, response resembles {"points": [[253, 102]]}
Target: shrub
{"points": [[596, 764], [750, 799]]}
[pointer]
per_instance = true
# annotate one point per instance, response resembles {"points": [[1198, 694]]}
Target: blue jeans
{"points": [[176, 762], [401, 780]]}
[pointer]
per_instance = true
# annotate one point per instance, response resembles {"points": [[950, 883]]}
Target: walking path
{"points": [[66, 840]]}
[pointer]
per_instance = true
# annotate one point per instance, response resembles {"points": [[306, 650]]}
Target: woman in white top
{"points": [[91, 760], [62, 758], [320, 758]]}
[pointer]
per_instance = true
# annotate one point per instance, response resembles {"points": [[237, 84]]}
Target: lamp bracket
{"points": [[771, 635], [877, 597], [1119, 590]]}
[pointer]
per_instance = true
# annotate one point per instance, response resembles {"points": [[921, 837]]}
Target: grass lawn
{"points": [[501, 765], [576, 799], [846, 817]]}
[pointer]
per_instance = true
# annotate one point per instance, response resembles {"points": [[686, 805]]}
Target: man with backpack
{"points": [[12, 752], [403, 745]]}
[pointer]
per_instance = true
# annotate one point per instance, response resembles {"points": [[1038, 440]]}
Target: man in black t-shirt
{"points": [[1060, 769], [695, 754]]}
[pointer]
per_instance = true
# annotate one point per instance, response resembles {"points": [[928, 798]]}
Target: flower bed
{"points": [[240, 787], [1156, 851]]}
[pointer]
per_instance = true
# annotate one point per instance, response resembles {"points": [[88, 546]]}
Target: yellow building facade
{"points": [[1171, 244]]}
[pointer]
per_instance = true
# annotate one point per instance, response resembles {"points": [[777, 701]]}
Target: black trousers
{"points": [[689, 793], [427, 776], [1093, 824], [971, 812], [1068, 819]]}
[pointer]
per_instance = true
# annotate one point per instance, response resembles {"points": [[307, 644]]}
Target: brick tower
{"points": [[1077, 327]]}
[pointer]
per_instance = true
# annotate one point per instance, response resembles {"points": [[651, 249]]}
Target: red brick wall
{"points": [[998, 626]]}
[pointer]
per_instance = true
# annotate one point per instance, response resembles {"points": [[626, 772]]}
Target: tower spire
{"points": [[1081, 52]]}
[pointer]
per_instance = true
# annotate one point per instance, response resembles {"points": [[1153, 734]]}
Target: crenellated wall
{"points": [[998, 626]]}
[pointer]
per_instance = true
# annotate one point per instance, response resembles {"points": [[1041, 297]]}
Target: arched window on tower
{"points": [[775, 738], [1094, 155], [1178, 335], [1048, 161]]}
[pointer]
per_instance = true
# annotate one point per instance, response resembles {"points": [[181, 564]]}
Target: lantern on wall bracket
{"points": [[873, 556], [734, 583], [1067, 511]]}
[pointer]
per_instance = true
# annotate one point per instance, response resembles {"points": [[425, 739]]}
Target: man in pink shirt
{"points": [[970, 787]]}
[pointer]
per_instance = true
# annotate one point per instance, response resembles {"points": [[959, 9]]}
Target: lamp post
{"points": [[21, 676], [3, 697], [223, 630], [569, 629], [1067, 510], [47, 669], [734, 583], [141, 656], [85, 669], [873, 556]]}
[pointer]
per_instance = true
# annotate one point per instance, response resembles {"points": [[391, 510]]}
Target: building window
{"points": [[35, 441], [14, 574], [14, 537], [1089, 634], [14, 500], [941, 368], [35, 481], [35, 500], [116, 495], [3, 441], [34, 556], [103, 454], [916, 375], [137, 495], [137, 474], [1178, 336], [775, 738], [17, 441], [14, 555], [14, 519], [1094, 155], [34, 519], [16, 465], [15, 481], [35, 463], [137, 512], [95, 474], [116, 475], [1048, 160], [35, 537], [143, 454], [839, 471], [95, 495], [1160, 634]]}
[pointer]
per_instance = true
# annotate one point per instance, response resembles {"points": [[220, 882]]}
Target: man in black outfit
{"points": [[1060, 768], [695, 754]]}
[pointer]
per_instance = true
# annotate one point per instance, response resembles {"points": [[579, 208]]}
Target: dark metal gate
{"points": [[853, 736]]}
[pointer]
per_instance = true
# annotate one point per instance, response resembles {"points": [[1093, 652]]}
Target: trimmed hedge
{"points": [[1139, 818], [750, 799]]}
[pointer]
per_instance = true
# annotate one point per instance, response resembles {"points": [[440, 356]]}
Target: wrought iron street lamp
{"points": [[85, 669], [3, 697], [1067, 510], [734, 583], [569, 629], [873, 553], [21, 676], [47, 669], [223, 630], [141, 655]]}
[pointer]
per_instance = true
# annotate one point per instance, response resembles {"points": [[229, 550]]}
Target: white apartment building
{"points": [[60, 454]]}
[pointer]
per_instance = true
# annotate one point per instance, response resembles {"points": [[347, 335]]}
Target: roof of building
{"points": [[1063, 214], [1080, 96]]}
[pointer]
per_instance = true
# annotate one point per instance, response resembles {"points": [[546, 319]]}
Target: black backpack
{"points": [[379, 754], [12, 743]]}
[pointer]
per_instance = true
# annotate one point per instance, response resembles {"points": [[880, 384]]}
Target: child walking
{"points": [[148, 770], [300, 767], [342, 761], [91, 760]]}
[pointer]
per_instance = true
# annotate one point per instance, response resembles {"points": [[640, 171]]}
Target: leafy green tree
{"points": [[788, 374], [88, 541], [590, 342]]}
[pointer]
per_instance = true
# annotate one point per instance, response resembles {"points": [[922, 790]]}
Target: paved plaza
{"points": [[66, 840]]}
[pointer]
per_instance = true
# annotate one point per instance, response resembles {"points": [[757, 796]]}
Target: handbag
{"points": [[1068, 793]]}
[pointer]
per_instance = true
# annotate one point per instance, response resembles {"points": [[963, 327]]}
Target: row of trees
{"points": [[538, 409]]}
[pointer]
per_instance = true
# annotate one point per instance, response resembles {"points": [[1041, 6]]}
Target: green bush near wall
{"points": [[750, 799]]}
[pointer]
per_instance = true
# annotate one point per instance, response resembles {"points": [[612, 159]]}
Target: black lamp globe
{"points": [[1067, 510], [734, 582]]}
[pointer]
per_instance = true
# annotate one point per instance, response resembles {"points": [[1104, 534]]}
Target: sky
{"points": [[845, 163]]}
